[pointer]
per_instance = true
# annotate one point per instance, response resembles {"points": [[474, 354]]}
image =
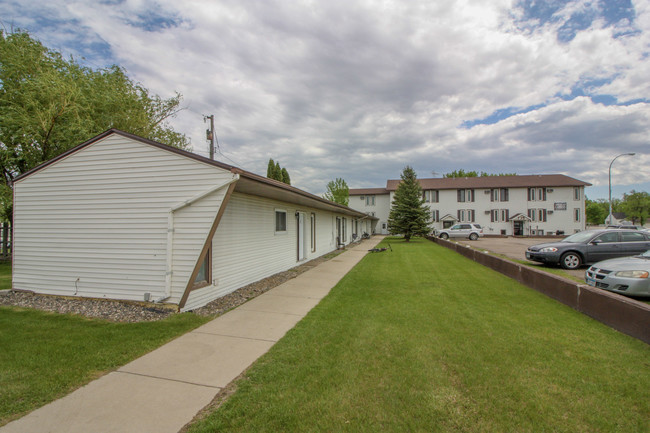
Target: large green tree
{"points": [[338, 191], [49, 104], [408, 214], [596, 211], [636, 206]]}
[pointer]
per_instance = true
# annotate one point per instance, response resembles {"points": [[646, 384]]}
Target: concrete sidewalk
{"points": [[163, 390]]}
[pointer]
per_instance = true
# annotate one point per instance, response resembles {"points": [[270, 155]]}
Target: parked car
{"points": [[627, 275], [590, 246], [470, 231], [624, 226]]}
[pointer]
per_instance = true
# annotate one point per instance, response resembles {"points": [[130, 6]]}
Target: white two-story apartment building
{"points": [[530, 205]]}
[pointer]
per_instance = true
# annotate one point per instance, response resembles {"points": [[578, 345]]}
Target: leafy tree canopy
{"points": [[463, 173], [338, 191], [636, 206], [49, 104], [408, 214]]}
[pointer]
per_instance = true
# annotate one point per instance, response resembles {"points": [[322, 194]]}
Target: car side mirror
{"points": [[596, 242]]}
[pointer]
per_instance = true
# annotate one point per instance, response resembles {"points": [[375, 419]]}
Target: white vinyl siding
{"points": [[95, 223], [244, 243]]}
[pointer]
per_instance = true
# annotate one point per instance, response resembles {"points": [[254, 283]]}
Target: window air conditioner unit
{"points": [[549, 212], [363, 198], [486, 192], [549, 189], [487, 212]]}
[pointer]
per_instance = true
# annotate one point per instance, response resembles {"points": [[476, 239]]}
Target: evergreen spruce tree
{"points": [[277, 172], [285, 176], [408, 214], [270, 169]]}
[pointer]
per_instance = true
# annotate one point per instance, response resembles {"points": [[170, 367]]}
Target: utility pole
{"points": [[209, 134]]}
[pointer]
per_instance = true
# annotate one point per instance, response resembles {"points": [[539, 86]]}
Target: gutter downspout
{"points": [[170, 233]]}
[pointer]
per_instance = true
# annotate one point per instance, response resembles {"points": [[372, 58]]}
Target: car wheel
{"points": [[444, 236], [570, 261], [473, 236]]}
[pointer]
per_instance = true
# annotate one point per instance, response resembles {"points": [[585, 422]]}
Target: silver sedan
{"points": [[627, 275]]}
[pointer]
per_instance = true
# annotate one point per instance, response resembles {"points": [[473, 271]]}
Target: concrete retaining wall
{"points": [[623, 314]]}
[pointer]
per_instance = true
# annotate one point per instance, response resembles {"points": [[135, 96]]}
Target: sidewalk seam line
{"points": [[168, 379], [235, 336]]}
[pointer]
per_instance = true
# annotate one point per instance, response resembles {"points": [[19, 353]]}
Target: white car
{"points": [[463, 230]]}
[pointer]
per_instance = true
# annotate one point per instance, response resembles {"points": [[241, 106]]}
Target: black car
{"points": [[590, 246]]}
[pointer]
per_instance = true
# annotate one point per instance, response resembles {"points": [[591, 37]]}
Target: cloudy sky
{"points": [[360, 89]]}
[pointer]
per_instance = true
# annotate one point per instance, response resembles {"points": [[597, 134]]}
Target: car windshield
{"points": [[646, 255], [578, 237]]}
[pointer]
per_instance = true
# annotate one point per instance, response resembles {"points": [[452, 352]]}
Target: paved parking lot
{"points": [[515, 248]]}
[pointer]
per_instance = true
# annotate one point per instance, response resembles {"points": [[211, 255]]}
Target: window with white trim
{"points": [[499, 194], [280, 221], [576, 215], [576, 193], [370, 200], [203, 276], [313, 232], [537, 215], [435, 216], [430, 196], [466, 215], [536, 194], [465, 195], [499, 215]]}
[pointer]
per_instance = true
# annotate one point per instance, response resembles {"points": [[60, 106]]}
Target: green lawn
{"points": [[5, 275], [44, 356], [422, 339]]}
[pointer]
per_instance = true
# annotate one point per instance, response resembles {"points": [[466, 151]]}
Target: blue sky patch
{"points": [[153, 21], [538, 13]]}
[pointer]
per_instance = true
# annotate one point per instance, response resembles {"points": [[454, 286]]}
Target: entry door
{"points": [[301, 236], [518, 228]]}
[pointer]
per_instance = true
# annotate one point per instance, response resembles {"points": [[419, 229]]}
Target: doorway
{"points": [[518, 228], [300, 236]]}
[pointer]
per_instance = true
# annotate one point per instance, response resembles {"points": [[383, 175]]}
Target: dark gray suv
{"points": [[590, 246]]}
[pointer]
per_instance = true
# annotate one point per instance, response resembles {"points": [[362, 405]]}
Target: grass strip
{"points": [[45, 356], [423, 339]]}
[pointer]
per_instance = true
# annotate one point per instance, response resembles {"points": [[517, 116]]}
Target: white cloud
{"points": [[360, 89]]}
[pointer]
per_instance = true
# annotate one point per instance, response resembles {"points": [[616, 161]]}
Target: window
{"points": [[435, 216], [370, 200], [537, 215], [536, 194], [430, 196], [576, 193], [499, 194], [632, 237], [466, 215], [499, 215], [607, 237], [576, 215], [280, 221], [465, 195], [203, 276], [313, 232], [345, 230]]}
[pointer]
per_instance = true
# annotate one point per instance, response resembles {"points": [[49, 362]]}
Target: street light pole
{"points": [[610, 183]]}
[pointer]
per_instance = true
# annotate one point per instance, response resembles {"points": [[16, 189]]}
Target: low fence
{"points": [[623, 314]]}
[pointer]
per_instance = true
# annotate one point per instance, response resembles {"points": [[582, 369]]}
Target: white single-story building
{"points": [[527, 205], [123, 217]]}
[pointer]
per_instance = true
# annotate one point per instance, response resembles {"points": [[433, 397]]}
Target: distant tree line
{"points": [[274, 171], [473, 173], [635, 205]]}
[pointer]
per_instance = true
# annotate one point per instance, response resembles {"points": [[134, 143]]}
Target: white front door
{"points": [[301, 236]]}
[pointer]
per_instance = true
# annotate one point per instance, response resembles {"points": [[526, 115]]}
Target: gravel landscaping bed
{"points": [[122, 311]]}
